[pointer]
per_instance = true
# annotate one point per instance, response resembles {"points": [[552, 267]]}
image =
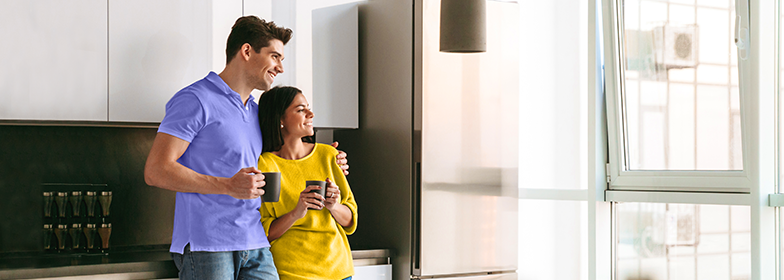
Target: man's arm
{"points": [[162, 170]]}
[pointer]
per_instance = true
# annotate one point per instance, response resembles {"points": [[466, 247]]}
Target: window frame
{"points": [[759, 127], [620, 175]]}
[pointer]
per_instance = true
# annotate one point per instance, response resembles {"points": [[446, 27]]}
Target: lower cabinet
{"points": [[366, 272], [373, 272], [114, 276]]}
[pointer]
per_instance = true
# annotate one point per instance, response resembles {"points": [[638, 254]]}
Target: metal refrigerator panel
{"points": [[467, 229]]}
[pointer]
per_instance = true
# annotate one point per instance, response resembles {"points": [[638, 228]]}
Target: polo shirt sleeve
{"points": [[185, 116]]}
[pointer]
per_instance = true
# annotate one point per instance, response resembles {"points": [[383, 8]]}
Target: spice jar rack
{"points": [[76, 218]]}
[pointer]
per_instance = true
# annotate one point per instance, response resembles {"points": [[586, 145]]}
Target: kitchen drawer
{"points": [[373, 272]]}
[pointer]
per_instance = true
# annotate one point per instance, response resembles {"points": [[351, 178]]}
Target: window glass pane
{"points": [[680, 86], [682, 241], [553, 239]]}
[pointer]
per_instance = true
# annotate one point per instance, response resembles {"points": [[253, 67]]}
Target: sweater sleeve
{"points": [[268, 213], [347, 196], [267, 216]]}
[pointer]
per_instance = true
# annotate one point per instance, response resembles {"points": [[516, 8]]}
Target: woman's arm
{"points": [[340, 212], [306, 200]]}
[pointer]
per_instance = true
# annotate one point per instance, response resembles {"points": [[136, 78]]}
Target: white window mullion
{"points": [[759, 104], [705, 181], [679, 197]]}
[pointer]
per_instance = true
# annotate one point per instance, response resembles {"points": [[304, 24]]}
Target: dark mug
{"points": [[271, 187], [322, 191]]}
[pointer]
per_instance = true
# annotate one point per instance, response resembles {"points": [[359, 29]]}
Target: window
{"points": [[674, 97], [691, 123], [682, 241]]}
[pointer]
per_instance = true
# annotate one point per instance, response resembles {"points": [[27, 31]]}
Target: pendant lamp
{"points": [[463, 26]]}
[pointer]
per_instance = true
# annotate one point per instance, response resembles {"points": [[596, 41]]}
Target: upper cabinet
{"points": [[54, 59], [336, 66], [322, 58], [157, 47], [120, 61]]}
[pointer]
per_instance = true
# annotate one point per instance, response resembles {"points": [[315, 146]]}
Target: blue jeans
{"points": [[233, 265]]}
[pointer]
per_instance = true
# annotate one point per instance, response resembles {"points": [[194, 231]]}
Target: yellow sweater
{"points": [[315, 247]]}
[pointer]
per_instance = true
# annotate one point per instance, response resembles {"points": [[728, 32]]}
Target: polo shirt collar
{"points": [[215, 79], [220, 83]]}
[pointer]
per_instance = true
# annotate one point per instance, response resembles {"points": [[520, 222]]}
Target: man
{"points": [[206, 150]]}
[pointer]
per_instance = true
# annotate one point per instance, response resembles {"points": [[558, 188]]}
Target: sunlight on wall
{"points": [[553, 235]]}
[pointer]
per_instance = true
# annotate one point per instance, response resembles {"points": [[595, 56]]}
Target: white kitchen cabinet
{"points": [[322, 58], [336, 66], [157, 47], [373, 272], [122, 60], [54, 58]]}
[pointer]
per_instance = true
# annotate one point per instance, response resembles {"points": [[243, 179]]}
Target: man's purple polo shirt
{"points": [[224, 137]]}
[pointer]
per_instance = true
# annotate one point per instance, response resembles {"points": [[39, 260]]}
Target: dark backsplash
{"points": [[36, 155]]}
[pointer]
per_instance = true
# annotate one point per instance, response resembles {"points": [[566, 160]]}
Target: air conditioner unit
{"points": [[682, 225], [676, 46]]}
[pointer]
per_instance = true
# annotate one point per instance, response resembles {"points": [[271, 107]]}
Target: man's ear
{"points": [[245, 51]]}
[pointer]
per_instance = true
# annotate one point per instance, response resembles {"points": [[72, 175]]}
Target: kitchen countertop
{"points": [[144, 263]]}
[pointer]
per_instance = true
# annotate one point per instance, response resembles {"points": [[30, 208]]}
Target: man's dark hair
{"points": [[272, 106], [256, 32]]}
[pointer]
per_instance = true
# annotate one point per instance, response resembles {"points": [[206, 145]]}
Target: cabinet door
{"points": [[156, 48], [54, 58], [335, 63], [322, 58], [373, 272]]}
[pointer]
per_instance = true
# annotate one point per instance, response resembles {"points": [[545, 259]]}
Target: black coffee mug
{"points": [[322, 191], [271, 187]]}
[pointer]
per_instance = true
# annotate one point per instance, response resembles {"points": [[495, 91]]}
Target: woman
{"points": [[306, 244]]}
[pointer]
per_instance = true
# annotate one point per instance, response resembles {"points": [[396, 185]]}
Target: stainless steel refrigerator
{"points": [[434, 164], [466, 152]]}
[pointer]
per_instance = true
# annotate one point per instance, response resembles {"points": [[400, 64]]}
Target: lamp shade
{"points": [[463, 26]]}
